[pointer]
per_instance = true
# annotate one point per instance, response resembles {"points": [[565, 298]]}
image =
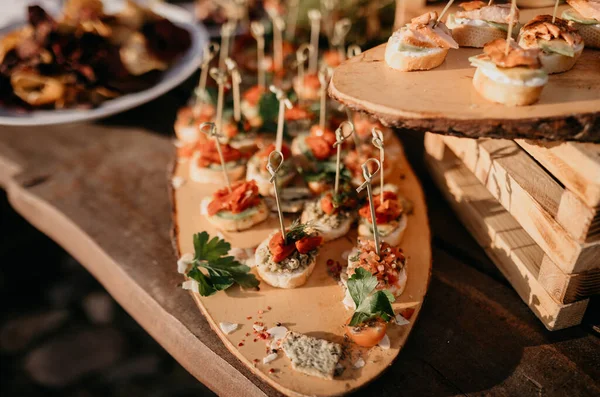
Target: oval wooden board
{"points": [[443, 100], [316, 308]]}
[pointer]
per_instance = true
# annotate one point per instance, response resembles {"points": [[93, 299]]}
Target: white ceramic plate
{"points": [[176, 74]]}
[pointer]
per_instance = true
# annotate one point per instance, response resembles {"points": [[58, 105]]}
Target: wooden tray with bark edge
{"points": [[443, 100], [316, 308]]}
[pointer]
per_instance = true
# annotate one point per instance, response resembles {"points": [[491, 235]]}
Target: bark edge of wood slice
{"points": [[444, 101], [322, 314]]}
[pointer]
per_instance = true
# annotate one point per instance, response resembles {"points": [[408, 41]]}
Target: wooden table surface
{"points": [[101, 191]]}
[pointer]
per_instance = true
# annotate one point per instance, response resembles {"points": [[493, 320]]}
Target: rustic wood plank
{"points": [[513, 251], [533, 197], [109, 189]]}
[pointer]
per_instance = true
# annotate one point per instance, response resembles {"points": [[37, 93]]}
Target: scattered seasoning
{"points": [[240, 344], [268, 307], [329, 262], [271, 371], [247, 333], [334, 269], [249, 318], [255, 339], [278, 324], [260, 311]]}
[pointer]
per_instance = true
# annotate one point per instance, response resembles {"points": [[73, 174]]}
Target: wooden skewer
{"points": [[227, 30], [290, 33], [328, 27], [315, 26], [220, 77], [340, 138], [490, 2], [555, 10], [236, 80], [324, 77], [377, 141], [273, 171], [367, 183], [258, 32], [350, 118], [284, 102], [278, 28], [513, 6], [439, 18], [213, 133], [340, 31], [210, 51], [353, 50], [302, 55]]}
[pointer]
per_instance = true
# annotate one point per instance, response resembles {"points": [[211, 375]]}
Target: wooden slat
{"points": [[507, 244], [533, 197], [575, 165]]}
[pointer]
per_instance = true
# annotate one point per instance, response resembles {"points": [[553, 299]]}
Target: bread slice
{"points": [[328, 232], [396, 289], [265, 187], [229, 222], [590, 34], [476, 36], [292, 279], [394, 238], [404, 61], [214, 175], [312, 356], [506, 94], [557, 63]]}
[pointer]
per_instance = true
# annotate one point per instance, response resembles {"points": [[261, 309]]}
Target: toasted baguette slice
{"points": [[328, 232], [210, 175], [535, 3], [293, 279], [507, 94], [229, 222], [394, 238], [557, 63], [590, 35], [402, 60], [476, 36]]}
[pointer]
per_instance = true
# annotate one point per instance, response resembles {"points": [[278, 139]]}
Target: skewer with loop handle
{"points": [[278, 28], [293, 6], [227, 31], [340, 31], [220, 76], [257, 29], [303, 54], [210, 51], [236, 80], [353, 50], [513, 7], [324, 78], [377, 141], [284, 102], [340, 138], [439, 18], [367, 183], [315, 26], [210, 129], [273, 171]]}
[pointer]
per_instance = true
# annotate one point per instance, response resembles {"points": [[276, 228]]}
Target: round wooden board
{"points": [[443, 100], [316, 308]]}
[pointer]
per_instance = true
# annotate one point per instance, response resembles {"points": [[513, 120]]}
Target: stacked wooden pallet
{"points": [[535, 210]]}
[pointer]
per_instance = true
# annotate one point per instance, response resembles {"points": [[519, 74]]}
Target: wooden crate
{"points": [[510, 247]]}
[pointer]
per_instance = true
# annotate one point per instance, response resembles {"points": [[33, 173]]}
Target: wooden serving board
{"points": [[513, 251], [316, 308], [443, 100]]}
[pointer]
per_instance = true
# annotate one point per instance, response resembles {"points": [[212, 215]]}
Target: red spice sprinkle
{"points": [[247, 333], [255, 360], [268, 307], [271, 371], [240, 344], [260, 311], [249, 318], [255, 339], [329, 262]]}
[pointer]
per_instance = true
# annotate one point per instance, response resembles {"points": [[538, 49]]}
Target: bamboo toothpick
{"points": [[439, 18], [227, 30], [213, 133], [210, 51], [555, 10], [258, 32], [328, 7], [340, 138], [278, 27], [292, 19], [377, 141], [315, 27], [353, 50], [273, 171], [340, 31], [490, 2], [513, 6], [367, 183], [284, 102], [302, 55], [236, 80], [220, 76], [324, 77]]}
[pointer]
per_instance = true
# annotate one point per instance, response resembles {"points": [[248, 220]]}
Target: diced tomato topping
{"points": [[386, 266], [388, 210], [308, 243], [327, 204], [321, 142], [266, 151], [332, 58], [186, 150], [312, 81], [279, 250], [252, 96], [353, 160], [209, 154], [296, 113], [243, 195], [363, 125], [185, 115]]}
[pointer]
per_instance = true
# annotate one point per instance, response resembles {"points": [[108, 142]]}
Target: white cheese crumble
{"points": [[258, 328], [385, 342], [348, 302], [277, 334], [401, 320], [184, 262], [269, 358], [190, 285], [228, 328], [359, 363], [177, 182]]}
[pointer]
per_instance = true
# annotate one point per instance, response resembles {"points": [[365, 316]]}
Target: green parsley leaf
{"points": [[223, 271], [369, 305]]}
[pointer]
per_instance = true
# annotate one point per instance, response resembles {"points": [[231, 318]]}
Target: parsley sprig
{"points": [[369, 305], [223, 271]]}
